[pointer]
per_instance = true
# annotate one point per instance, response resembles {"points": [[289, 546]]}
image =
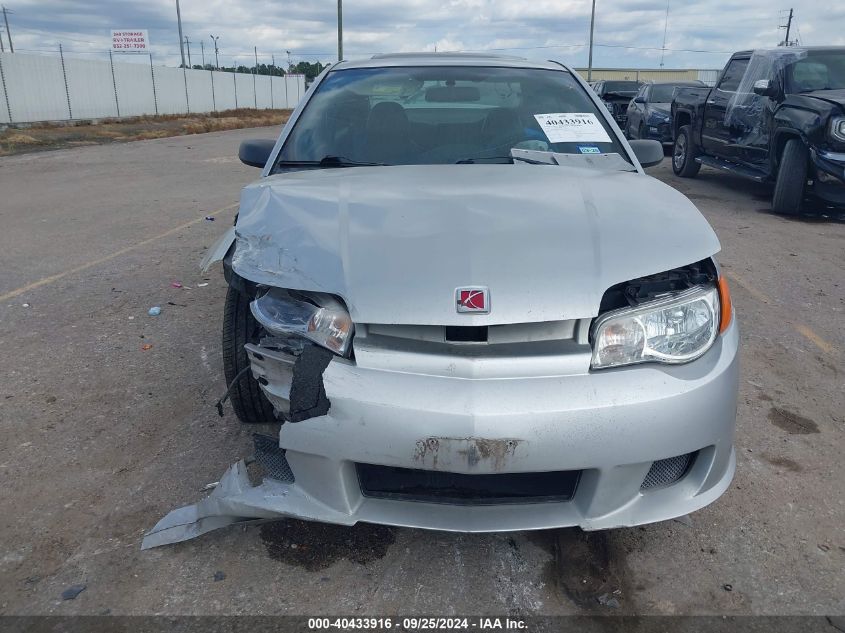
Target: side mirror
{"points": [[639, 99], [648, 152], [256, 152], [765, 88]]}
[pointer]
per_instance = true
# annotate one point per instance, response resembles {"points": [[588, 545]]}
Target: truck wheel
{"points": [[240, 327], [683, 155], [792, 178]]}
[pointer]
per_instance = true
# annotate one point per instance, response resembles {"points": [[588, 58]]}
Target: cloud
{"points": [[629, 33]]}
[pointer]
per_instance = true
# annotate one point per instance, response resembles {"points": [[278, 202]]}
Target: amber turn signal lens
{"points": [[725, 301]]}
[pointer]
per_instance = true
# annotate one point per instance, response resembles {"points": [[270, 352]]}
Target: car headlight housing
{"points": [[318, 317], [672, 330], [837, 128]]}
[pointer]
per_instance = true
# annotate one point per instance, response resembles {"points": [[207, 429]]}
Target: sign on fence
{"points": [[130, 41]]}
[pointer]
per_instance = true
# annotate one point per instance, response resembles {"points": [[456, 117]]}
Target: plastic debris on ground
{"points": [[154, 311], [74, 590], [202, 285], [146, 346], [176, 284], [209, 218]]}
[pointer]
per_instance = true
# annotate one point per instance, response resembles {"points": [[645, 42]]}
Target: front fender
{"points": [[217, 252]]}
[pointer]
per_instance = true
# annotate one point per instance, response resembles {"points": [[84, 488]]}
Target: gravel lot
{"points": [[100, 437]]}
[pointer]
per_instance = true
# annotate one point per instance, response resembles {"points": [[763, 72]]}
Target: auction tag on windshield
{"points": [[572, 127]]}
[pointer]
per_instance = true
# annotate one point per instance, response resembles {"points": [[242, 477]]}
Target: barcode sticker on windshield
{"points": [[572, 127]]}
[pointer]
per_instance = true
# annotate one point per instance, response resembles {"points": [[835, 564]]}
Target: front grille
{"points": [[409, 484], [667, 471]]}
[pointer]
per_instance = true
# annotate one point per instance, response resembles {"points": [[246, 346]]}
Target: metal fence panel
{"points": [[170, 88], [199, 90], [262, 90], [91, 89], [224, 91], [42, 88], [134, 88], [246, 99], [36, 87]]}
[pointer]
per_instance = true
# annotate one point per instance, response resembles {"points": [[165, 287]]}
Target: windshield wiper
{"points": [[328, 161], [502, 160]]}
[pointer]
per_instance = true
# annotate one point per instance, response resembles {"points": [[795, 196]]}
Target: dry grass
{"points": [[56, 136]]}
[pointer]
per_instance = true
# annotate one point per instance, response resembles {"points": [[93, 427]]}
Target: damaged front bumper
{"points": [[829, 178], [597, 446]]}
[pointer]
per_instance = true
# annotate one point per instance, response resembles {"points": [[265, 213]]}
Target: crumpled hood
{"points": [[396, 242]]}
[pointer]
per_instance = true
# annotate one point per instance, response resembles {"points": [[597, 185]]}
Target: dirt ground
{"points": [[101, 435], [47, 136]]}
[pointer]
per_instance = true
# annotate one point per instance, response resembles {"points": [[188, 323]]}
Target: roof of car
{"points": [[790, 50], [446, 59]]}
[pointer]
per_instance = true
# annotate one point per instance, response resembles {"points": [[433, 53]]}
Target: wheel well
{"points": [[680, 119], [780, 143]]}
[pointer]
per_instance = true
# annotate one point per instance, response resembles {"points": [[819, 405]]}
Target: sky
{"points": [[628, 33]]}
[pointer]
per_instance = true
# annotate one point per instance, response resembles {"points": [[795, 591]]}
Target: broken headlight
{"points": [[318, 317], [674, 329]]}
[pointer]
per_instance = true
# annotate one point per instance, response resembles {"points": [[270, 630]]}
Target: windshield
{"points": [[622, 87], [663, 93], [436, 115], [819, 70]]}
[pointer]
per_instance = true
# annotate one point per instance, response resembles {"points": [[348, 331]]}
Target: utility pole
{"points": [[665, 29], [592, 27], [289, 66], [6, 13], [188, 44], [340, 29], [216, 58], [181, 43], [202, 52], [788, 27]]}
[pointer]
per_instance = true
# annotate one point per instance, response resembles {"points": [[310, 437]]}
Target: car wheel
{"points": [[239, 328], [683, 154], [792, 178]]}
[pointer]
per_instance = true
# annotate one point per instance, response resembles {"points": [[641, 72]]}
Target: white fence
{"points": [[61, 88]]}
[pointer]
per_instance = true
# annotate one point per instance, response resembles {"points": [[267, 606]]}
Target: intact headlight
{"points": [[837, 128], [676, 329], [325, 322]]}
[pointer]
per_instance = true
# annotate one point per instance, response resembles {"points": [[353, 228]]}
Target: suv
{"points": [[470, 309], [774, 116], [649, 113]]}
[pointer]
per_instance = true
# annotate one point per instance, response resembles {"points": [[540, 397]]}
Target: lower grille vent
{"points": [[667, 471]]}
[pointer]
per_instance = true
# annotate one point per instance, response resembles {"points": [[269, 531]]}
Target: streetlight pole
{"points": [[340, 30], [181, 43], [216, 58], [592, 27]]}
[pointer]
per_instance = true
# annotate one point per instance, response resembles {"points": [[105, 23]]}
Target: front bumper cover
{"points": [[611, 425]]}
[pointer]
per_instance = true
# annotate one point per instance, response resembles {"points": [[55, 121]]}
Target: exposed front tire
{"points": [[240, 327], [683, 154], [792, 178]]}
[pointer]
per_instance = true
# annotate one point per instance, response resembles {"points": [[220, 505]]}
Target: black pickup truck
{"points": [[774, 116]]}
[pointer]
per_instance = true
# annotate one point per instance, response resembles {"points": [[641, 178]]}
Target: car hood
{"points": [[836, 97], [396, 242], [663, 109]]}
